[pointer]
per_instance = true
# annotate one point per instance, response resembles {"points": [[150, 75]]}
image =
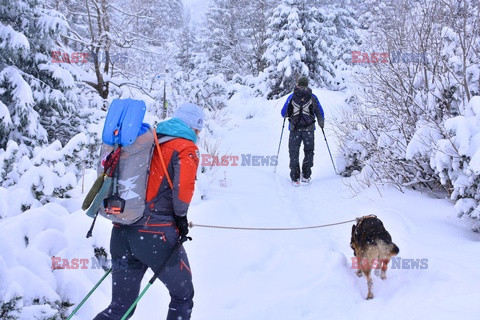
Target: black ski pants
{"points": [[295, 140], [134, 249]]}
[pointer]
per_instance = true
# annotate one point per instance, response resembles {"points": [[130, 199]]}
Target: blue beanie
{"points": [[191, 114]]}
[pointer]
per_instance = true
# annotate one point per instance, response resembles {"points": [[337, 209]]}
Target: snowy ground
{"points": [[284, 275], [307, 274]]}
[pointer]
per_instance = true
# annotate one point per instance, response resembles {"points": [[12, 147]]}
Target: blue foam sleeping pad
{"points": [[123, 122]]}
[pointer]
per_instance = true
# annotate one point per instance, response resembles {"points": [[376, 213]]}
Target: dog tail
{"points": [[395, 250], [391, 247]]}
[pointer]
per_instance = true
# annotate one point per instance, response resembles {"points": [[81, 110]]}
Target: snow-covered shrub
{"points": [[46, 173], [210, 148], [28, 286], [401, 106], [457, 161], [211, 92], [354, 141], [12, 160], [10, 309]]}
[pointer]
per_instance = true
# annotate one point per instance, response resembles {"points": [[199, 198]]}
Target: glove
{"points": [[182, 225], [321, 123], [289, 111]]}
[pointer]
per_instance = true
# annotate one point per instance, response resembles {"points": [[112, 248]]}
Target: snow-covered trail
{"points": [[307, 274], [283, 275]]}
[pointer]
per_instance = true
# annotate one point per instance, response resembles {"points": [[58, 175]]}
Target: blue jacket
{"points": [[317, 109]]}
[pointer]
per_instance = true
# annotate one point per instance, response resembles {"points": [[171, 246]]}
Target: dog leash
{"points": [[191, 225]]}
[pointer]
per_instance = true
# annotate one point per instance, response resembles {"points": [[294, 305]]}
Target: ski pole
{"points": [[89, 294], [279, 144], [329, 151], [155, 276]]}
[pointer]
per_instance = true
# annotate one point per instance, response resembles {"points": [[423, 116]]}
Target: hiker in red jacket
{"points": [[148, 242]]}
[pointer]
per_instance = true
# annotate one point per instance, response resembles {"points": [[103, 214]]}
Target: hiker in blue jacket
{"points": [[301, 108], [148, 242]]}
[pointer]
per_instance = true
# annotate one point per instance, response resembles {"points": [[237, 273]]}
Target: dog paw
{"points": [[370, 297], [359, 273], [383, 276]]}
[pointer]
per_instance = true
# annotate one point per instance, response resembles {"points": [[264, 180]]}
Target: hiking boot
{"points": [[296, 183], [305, 180]]}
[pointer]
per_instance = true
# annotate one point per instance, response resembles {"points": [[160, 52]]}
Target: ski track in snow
{"points": [[284, 275]]}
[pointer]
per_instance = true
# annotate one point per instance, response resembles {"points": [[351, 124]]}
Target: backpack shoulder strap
{"points": [[311, 107], [162, 160]]}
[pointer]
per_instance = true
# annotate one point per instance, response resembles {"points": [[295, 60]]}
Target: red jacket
{"points": [[181, 160]]}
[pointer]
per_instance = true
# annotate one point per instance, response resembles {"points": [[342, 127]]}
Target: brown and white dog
{"points": [[373, 247]]}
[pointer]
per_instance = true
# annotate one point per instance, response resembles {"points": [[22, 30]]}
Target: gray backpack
{"points": [[133, 171]]}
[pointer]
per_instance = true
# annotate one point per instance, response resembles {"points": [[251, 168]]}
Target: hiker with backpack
{"points": [[301, 108], [156, 237]]}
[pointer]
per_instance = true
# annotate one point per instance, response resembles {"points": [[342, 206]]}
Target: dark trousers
{"points": [[295, 140], [134, 250]]}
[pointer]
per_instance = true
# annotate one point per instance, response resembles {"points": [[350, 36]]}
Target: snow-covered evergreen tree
{"points": [[285, 51], [40, 101], [188, 45], [234, 36], [255, 18], [313, 38], [332, 34], [223, 46]]}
